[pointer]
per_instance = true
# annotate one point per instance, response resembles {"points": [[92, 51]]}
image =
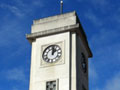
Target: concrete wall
{"points": [[82, 78], [79, 79], [41, 72], [68, 70], [54, 22]]}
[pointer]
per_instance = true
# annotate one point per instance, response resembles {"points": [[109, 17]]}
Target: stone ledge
{"points": [[31, 37], [52, 18]]}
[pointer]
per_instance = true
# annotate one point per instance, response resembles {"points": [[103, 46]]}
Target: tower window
{"points": [[51, 85]]}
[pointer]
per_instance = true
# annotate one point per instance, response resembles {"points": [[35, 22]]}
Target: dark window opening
{"points": [[51, 85]]}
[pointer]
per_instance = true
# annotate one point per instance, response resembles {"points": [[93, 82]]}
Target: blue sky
{"points": [[100, 20]]}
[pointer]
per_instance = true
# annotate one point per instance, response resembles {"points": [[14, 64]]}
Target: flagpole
{"points": [[61, 6]]}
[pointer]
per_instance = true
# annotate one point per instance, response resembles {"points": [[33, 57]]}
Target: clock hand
{"points": [[53, 50]]}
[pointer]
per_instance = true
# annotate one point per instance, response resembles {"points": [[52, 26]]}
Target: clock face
{"points": [[83, 62], [52, 53]]}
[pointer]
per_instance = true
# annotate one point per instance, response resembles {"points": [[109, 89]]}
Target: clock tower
{"points": [[59, 55]]}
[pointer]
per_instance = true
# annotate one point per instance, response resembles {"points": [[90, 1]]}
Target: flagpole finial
{"points": [[61, 6]]}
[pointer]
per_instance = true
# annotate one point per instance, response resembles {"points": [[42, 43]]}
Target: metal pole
{"points": [[61, 6]]}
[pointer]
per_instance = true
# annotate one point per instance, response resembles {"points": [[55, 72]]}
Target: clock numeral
{"points": [[45, 56], [50, 48], [59, 54], [50, 60], [59, 50], [55, 47], [45, 53], [54, 60], [47, 50]]}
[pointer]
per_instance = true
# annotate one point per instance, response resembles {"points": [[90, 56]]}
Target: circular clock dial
{"points": [[52, 53]]}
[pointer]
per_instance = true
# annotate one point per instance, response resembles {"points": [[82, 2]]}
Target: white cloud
{"points": [[106, 46], [104, 36], [93, 18], [97, 3], [20, 8], [38, 3], [14, 88], [106, 53], [93, 75], [20, 3], [113, 83], [10, 31], [116, 16], [15, 10], [16, 74]]}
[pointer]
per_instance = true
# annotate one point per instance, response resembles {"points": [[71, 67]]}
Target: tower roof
{"points": [[58, 24]]}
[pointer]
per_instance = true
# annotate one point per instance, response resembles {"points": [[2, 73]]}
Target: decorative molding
{"points": [[33, 36]]}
